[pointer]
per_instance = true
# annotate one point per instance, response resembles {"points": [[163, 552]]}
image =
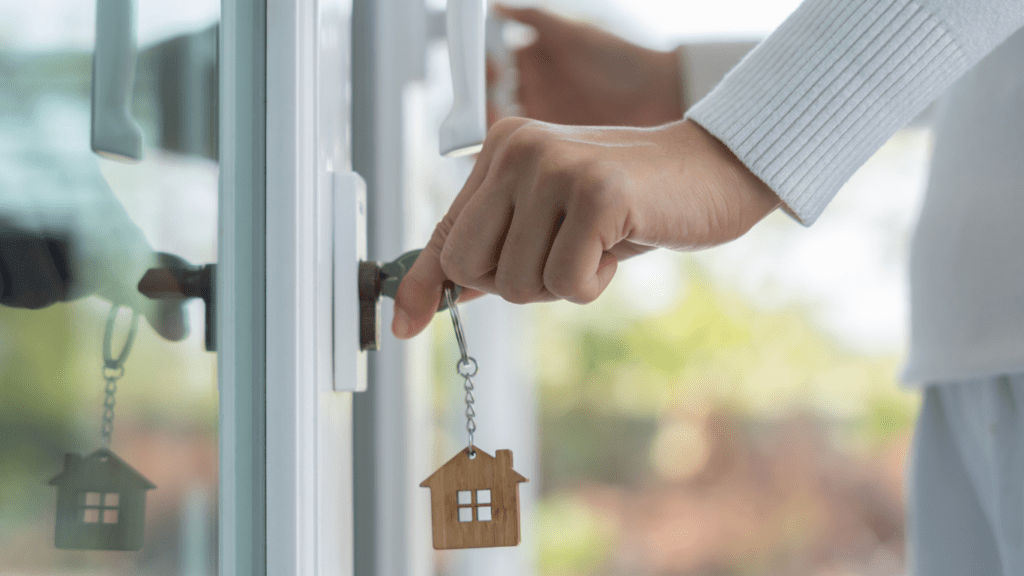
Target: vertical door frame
{"points": [[391, 453], [308, 425], [241, 289], [286, 460]]}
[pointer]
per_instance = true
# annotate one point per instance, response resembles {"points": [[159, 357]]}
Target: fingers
{"points": [[420, 292], [534, 222], [419, 295], [542, 20], [471, 250], [168, 318], [578, 269], [158, 296], [519, 276]]}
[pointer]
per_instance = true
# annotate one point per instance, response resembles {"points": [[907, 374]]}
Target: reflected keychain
{"points": [[474, 497], [101, 500]]}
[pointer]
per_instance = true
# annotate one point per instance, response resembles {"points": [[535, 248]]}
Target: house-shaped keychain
{"points": [[474, 501], [101, 503]]}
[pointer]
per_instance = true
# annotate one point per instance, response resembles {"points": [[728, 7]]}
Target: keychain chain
{"points": [[113, 369], [466, 367]]}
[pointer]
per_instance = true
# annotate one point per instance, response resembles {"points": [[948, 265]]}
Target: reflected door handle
{"points": [[463, 131], [115, 134], [182, 282]]}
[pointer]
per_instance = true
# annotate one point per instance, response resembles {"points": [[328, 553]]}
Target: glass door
{"points": [[222, 448], [108, 464]]}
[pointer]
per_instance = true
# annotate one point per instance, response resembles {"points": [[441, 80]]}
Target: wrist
{"points": [[725, 179]]}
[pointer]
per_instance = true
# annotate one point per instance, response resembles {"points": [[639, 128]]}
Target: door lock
{"points": [[376, 280]]}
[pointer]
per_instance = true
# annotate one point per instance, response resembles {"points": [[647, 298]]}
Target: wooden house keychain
{"points": [[474, 497], [101, 500]]}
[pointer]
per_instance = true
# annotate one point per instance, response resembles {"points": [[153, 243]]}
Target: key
{"points": [[393, 272]]}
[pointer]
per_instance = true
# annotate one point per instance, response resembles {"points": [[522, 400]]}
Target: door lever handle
{"points": [[115, 134], [181, 282], [465, 128]]}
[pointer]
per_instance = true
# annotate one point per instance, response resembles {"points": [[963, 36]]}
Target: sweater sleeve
{"points": [[822, 93]]}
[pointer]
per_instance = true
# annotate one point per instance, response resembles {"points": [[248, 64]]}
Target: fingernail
{"points": [[402, 324]]}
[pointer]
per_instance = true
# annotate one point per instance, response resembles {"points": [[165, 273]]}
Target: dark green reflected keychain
{"points": [[101, 500]]}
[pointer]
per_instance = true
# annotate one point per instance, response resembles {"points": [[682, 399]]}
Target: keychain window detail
{"points": [[466, 505], [97, 505]]}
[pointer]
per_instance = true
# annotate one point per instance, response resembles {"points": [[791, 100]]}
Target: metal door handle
{"points": [[463, 131], [115, 134]]}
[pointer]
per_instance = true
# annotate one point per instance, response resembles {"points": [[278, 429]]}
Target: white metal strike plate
{"points": [[349, 250]]}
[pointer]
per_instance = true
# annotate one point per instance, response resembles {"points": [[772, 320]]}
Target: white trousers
{"points": [[966, 503]]}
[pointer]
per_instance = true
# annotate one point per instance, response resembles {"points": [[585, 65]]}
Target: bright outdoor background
{"points": [[733, 412]]}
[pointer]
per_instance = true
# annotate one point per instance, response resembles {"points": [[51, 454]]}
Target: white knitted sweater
{"points": [[813, 101]]}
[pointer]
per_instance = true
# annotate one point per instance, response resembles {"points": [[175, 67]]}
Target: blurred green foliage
{"points": [[625, 399]]}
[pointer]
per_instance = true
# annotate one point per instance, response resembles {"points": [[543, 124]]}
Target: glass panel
{"points": [[465, 514], [483, 513], [78, 232], [465, 497], [483, 496]]}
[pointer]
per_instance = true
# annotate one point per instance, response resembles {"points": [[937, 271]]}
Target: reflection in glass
{"points": [[76, 235]]}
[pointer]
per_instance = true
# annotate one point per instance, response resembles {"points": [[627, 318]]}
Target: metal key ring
{"points": [[460, 336], [108, 335]]}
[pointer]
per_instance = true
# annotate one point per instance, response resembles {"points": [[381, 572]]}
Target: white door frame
{"points": [[286, 459]]}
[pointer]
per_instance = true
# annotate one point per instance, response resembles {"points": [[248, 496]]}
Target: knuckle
{"points": [[561, 284], [454, 269], [447, 247], [516, 291], [505, 127], [593, 194], [584, 299], [523, 147]]}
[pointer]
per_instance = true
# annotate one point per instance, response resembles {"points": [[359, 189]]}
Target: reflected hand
{"points": [[579, 75], [549, 210], [56, 249]]}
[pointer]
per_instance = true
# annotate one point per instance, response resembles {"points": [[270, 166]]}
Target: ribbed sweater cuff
{"points": [[808, 107]]}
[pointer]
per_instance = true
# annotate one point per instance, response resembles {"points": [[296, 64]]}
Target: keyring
{"points": [[108, 335]]}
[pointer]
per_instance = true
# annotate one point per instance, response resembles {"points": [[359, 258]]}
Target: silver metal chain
{"points": [[113, 369], [466, 367]]}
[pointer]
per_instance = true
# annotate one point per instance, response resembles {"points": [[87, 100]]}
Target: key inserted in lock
{"points": [[376, 280]]}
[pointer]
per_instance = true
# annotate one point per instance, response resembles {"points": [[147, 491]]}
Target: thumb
{"points": [[415, 304], [420, 292]]}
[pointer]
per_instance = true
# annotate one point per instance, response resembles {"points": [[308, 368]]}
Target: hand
{"points": [[549, 210], [578, 75], [70, 238]]}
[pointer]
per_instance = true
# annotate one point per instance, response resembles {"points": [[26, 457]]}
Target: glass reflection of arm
{"points": [[63, 234]]}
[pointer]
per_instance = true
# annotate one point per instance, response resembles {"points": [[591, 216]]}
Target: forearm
{"points": [[806, 108]]}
